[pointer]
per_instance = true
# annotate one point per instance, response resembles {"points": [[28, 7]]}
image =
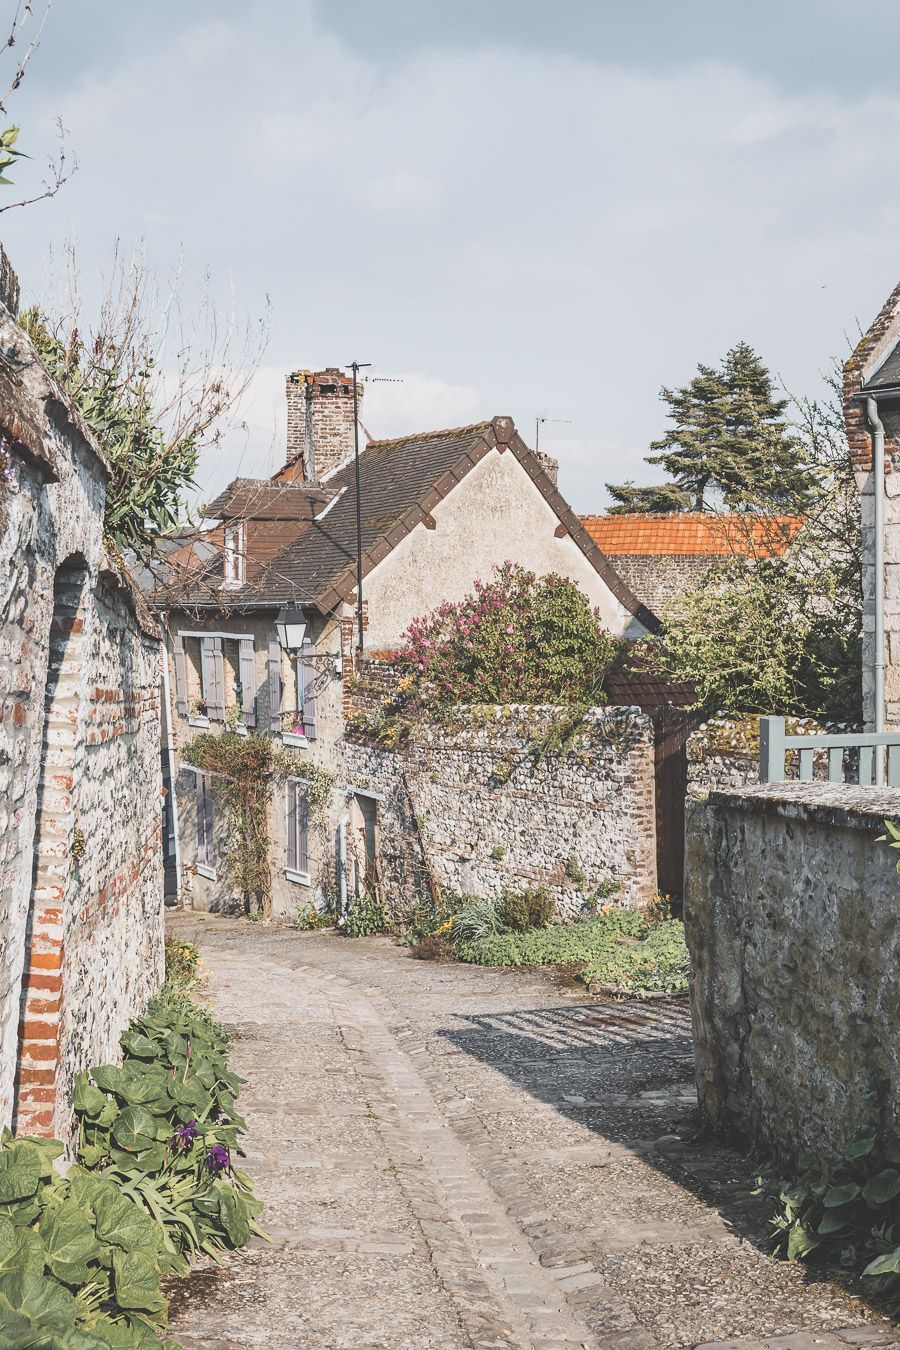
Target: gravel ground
{"points": [[459, 1157]]}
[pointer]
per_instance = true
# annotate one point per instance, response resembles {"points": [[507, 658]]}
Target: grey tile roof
{"points": [[888, 373]]}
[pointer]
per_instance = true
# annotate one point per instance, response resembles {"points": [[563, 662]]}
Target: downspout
{"points": [[878, 468], [170, 763]]}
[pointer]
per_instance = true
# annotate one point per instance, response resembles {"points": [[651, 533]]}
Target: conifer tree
{"points": [[729, 445]]}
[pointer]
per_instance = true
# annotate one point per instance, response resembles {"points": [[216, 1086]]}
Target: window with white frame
{"points": [[205, 825], [297, 868], [235, 555]]}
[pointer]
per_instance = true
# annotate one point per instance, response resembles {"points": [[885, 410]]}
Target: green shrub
{"points": [[367, 917], [522, 910], [81, 1262], [845, 1209], [476, 920], [163, 1125], [658, 962], [560, 944]]}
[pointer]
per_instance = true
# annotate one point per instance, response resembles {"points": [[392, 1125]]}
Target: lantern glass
{"points": [[290, 629]]}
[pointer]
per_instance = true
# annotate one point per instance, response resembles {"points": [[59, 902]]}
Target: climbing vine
{"points": [[244, 771]]}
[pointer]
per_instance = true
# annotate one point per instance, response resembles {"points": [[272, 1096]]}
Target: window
{"points": [[215, 678], [297, 831], [235, 555], [301, 725], [205, 825]]}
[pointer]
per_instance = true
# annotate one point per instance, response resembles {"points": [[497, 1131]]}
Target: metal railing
{"points": [[873, 756]]}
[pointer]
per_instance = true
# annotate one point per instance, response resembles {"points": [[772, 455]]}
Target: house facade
{"points": [[81, 881], [871, 394], [663, 557], [437, 512]]}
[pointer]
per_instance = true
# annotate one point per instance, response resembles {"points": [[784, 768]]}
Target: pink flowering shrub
{"points": [[517, 638]]}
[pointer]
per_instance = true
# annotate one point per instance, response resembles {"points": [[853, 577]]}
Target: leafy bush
{"points": [[182, 962], [518, 638], [847, 1209], [164, 1127], [476, 920], [81, 1262], [658, 962], [367, 917], [560, 944], [522, 910]]}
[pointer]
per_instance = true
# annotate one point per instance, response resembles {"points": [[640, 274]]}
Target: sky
{"points": [[507, 207]]}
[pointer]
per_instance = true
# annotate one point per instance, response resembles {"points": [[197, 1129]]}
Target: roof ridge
{"points": [[428, 435]]}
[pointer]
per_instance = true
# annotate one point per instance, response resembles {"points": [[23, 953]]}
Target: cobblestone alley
{"points": [[455, 1157]]}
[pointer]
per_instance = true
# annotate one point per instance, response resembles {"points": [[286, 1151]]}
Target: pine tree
{"points": [[729, 444], [661, 499]]}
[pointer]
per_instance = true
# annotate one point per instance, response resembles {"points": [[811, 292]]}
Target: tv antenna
{"points": [[539, 422]]}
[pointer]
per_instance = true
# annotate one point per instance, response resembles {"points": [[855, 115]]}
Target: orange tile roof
{"points": [[692, 534]]}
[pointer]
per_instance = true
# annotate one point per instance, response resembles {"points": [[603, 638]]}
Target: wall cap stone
{"points": [[841, 805]]}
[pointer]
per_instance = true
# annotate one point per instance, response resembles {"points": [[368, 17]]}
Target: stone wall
{"points": [[723, 752], [80, 786], [471, 806], [792, 912]]}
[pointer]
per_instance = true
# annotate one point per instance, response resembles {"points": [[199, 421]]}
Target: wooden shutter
{"points": [[212, 669], [274, 686], [302, 830], [247, 665], [306, 672], [292, 826], [181, 692]]}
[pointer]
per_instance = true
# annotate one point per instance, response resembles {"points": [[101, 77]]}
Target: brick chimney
{"points": [[319, 423]]}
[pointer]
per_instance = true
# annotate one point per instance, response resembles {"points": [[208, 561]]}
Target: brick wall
{"points": [[80, 787], [319, 423]]}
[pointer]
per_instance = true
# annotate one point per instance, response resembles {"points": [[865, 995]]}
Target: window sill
{"points": [[198, 721], [293, 738], [301, 878], [203, 871], [239, 730]]}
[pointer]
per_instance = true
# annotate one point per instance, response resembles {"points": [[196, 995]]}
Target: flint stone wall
{"points": [[470, 806], [792, 914], [81, 933]]}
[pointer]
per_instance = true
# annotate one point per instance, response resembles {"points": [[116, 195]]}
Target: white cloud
{"points": [[516, 230]]}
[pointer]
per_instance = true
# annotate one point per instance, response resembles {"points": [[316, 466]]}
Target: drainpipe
{"points": [[878, 467], [170, 762]]}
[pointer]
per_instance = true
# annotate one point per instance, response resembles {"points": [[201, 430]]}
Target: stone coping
{"points": [[844, 805]]}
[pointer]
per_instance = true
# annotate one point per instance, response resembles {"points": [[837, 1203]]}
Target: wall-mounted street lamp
{"points": [[290, 628]]}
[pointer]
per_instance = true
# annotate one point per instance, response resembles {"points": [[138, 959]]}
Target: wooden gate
{"points": [[672, 727]]}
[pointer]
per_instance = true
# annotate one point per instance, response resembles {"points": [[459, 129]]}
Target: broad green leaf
{"points": [[121, 1223], [860, 1148], [19, 1181], [888, 1264], [87, 1099], [235, 1220], [37, 1295], [68, 1235], [882, 1188], [800, 1242], [133, 1043], [840, 1195], [137, 1282], [834, 1220], [135, 1129]]}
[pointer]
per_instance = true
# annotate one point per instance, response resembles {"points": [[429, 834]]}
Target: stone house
{"points": [[81, 933], [662, 557], [871, 393], [437, 511]]}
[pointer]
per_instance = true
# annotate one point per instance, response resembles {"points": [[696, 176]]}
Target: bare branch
{"points": [[60, 169], [23, 14]]}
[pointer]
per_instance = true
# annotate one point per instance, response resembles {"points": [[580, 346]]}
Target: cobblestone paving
{"points": [[453, 1157]]}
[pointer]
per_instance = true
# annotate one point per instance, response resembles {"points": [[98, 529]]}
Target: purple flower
{"points": [[218, 1159], [185, 1135]]}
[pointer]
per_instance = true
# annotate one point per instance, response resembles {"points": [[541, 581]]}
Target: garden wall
{"points": [[471, 805], [81, 932], [792, 912]]}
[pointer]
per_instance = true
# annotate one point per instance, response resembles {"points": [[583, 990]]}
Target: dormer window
{"points": [[235, 555]]}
